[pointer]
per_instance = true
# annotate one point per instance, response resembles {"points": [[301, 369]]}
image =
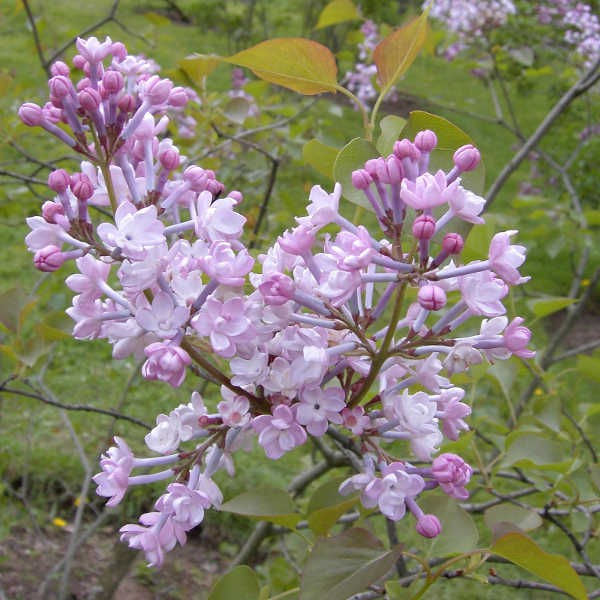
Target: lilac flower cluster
{"points": [[580, 23], [360, 80], [470, 21], [350, 331]]}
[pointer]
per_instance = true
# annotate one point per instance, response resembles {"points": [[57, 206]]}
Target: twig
{"points": [[20, 177], [77, 407], [36, 37], [578, 350], [524, 584], [585, 83]]}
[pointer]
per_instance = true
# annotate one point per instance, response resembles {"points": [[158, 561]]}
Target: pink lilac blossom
{"points": [[299, 341]]}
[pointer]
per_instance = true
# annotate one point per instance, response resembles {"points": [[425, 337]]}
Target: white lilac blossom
{"points": [[298, 341]]}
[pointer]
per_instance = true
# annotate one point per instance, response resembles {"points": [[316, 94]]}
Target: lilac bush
{"points": [[336, 328]]}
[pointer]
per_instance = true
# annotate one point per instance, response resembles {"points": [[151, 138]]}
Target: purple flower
{"points": [[452, 473], [428, 191], [516, 338], [116, 466], [278, 433], [225, 266], [429, 526], [166, 362], [505, 259], [318, 407], [162, 317]]}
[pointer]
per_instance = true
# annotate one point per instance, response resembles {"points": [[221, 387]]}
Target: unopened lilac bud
{"points": [[453, 243], [112, 82], [429, 526], [60, 86], [157, 90], [48, 259], [89, 99], [51, 210], [371, 167], [178, 97], [196, 177], [395, 172], [127, 103], [59, 181], [118, 50], [51, 113], [423, 227], [31, 114], [169, 159], [79, 62], [431, 297], [84, 84], [406, 149], [215, 187], [467, 157], [236, 195], [361, 179], [81, 186], [426, 140], [60, 68]]}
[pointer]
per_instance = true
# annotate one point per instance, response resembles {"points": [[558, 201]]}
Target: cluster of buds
{"points": [[359, 332]]}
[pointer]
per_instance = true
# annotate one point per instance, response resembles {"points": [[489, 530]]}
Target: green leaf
{"points": [[265, 503], [14, 306], [523, 518], [346, 564], [391, 127], [459, 533], [198, 66], [157, 19], [589, 366], [450, 137], [524, 552], [240, 582], [397, 51], [320, 156], [351, 157], [299, 64], [592, 216], [237, 109], [337, 11], [525, 449], [543, 307], [327, 505]]}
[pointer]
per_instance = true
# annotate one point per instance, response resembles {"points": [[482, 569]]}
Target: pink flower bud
{"points": [[215, 187], [89, 99], [127, 103], [395, 171], [426, 140], [371, 167], [31, 114], [178, 97], [48, 259], [81, 186], [453, 243], [423, 227], [169, 159], [119, 51], [406, 149], [112, 82], [59, 181], [157, 90], [361, 179], [466, 158], [83, 84], [236, 196], [51, 113], [516, 338], [196, 177], [79, 62], [429, 526], [52, 210], [60, 86], [431, 297], [60, 68]]}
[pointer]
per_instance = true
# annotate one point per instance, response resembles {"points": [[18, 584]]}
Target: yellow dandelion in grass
{"points": [[77, 501], [585, 282], [538, 391], [58, 522]]}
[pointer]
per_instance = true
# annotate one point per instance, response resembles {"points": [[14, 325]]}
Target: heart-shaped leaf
{"points": [[240, 582], [525, 553], [397, 51], [337, 11], [299, 64], [266, 504], [344, 565]]}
